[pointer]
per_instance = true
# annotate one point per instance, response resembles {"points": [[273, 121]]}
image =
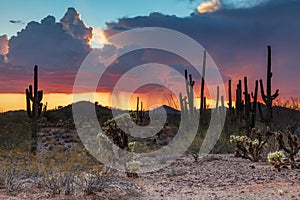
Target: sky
{"points": [[58, 35]]}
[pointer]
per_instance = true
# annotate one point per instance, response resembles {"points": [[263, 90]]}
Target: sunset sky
{"points": [[57, 36]]}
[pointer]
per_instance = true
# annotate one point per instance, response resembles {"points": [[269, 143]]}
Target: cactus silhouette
{"points": [[254, 105], [247, 99], [190, 93], [137, 109], [231, 109], [202, 102], [239, 104], [187, 103], [268, 97], [218, 98], [35, 96]]}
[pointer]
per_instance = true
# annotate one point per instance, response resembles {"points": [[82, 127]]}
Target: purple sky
{"points": [[236, 38]]}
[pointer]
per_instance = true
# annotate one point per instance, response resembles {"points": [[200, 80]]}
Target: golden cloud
{"points": [[209, 6]]}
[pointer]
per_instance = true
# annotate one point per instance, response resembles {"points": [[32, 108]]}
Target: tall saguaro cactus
{"points": [[230, 98], [137, 109], [190, 92], [247, 99], [218, 98], [202, 106], [268, 97], [239, 104], [35, 96], [254, 105], [187, 103]]}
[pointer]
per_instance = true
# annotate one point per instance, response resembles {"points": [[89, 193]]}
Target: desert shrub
{"points": [[290, 144], [91, 183], [276, 159], [12, 135], [116, 130], [249, 148], [56, 172], [58, 183]]}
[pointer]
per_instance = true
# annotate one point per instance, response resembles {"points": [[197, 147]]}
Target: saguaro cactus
{"points": [[202, 106], [230, 97], [190, 92], [268, 97], [187, 102], [238, 100], [247, 99], [254, 105], [218, 98], [137, 109], [35, 96]]}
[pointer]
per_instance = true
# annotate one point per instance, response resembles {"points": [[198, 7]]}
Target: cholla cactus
{"points": [[291, 146], [250, 148], [238, 138], [117, 129], [124, 121], [132, 167], [239, 141], [276, 159], [131, 146]]}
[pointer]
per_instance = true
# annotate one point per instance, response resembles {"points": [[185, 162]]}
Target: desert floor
{"points": [[215, 176]]}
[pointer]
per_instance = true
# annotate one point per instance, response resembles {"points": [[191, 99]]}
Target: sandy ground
{"points": [[213, 177], [220, 177]]}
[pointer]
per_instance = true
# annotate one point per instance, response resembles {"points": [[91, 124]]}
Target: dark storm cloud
{"points": [[75, 26], [49, 44], [236, 38], [56, 47]]}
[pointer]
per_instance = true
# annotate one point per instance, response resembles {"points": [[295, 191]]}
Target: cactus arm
{"points": [[262, 91], [275, 95], [28, 106], [39, 96]]}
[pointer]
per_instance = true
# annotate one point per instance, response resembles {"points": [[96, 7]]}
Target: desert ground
{"points": [[214, 176]]}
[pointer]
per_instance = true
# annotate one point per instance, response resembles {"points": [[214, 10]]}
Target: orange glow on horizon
{"points": [[10, 102]]}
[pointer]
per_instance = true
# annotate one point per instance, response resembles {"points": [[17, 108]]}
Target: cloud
{"points": [[58, 48], [232, 3], [3, 44], [236, 38], [16, 22], [99, 39], [74, 26], [209, 6], [50, 44]]}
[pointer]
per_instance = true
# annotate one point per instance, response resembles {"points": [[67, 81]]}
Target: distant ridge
{"points": [[168, 109]]}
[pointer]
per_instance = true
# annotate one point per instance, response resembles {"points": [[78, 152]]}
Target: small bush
{"points": [[251, 149], [276, 159]]}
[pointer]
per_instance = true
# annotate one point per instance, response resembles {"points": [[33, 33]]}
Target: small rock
{"points": [[280, 192]]}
